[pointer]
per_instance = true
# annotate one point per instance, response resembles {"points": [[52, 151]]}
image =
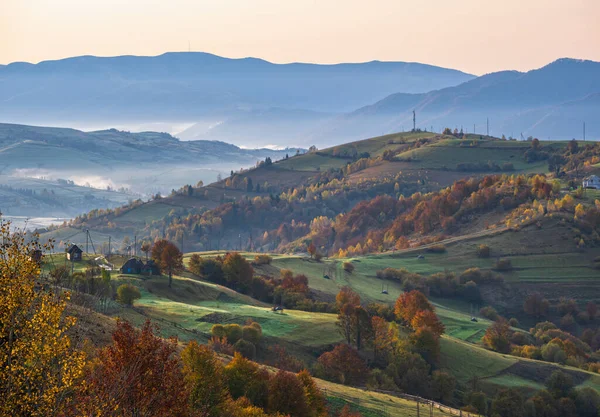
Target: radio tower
{"points": [[414, 121]]}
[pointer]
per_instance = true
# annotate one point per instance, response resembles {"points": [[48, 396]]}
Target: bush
{"points": [[489, 313], [513, 322], [252, 333], [262, 260], [220, 345], [218, 331], [348, 267], [127, 293], [245, 348], [483, 251], [233, 332], [503, 265]]}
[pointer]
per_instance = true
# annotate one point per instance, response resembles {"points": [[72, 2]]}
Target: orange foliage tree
{"points": [[286, 395], [343, 364], [138, 374], [168, 257], [409, 304]]}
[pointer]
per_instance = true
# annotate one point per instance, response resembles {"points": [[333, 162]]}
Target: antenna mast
{"points": [[414, 121]]}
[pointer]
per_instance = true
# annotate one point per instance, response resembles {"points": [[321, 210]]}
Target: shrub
{"points": [[483, 251], [220, 345], [489, 313], [503, 265], [245, 348], [252, 333], [218, 331], [348, 267], [127, 293], [262, 260], [233, 332], [513, 322]]}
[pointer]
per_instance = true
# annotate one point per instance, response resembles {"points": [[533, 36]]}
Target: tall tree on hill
{"points": [[146, 248], [168, 257]]}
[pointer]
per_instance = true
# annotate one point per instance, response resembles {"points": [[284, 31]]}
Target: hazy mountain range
{"points": [[255, 103]]}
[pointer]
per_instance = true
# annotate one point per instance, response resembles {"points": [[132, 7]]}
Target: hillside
{"points": [[34, 158], [193, 306], [486, 229], [322, 183]]}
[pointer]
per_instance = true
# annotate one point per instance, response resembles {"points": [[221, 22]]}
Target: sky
{"points": [[476, 36]]}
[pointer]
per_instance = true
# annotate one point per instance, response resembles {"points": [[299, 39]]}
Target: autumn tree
{"points": [[343, 364], [168, 257], [409, 304], [536, 305], [353, 321], [146, 248], [237, 271], [383, 339], [312, 250], [314, 397], [508, 403], [39, 364], [443, 385], [345, 296], [139, 374], [427, 343], [287, 396], [497, 336], [246, 379], [428, 319], [204, 379]]}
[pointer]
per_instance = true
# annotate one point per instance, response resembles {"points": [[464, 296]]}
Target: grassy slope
{"points": [[461, 349]]}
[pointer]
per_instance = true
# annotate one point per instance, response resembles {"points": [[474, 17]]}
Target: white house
{"points": [[591, 182]]}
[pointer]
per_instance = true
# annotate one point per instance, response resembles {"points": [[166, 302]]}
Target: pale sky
{"points": [[476, 36]]}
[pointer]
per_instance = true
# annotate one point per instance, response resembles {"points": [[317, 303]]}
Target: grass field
{"points": [[462, 352]]}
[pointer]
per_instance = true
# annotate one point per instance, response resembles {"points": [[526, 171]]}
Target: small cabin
{"points": [[132, 266], [74, 253], [591, 182], [150, 268]]}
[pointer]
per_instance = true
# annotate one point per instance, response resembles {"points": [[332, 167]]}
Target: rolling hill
{"points": [[34, 158]]}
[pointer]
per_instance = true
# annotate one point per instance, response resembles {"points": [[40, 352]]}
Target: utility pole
{"points": [[181, 242], [87, 238], [584, 131], [414, 121], [488, 126], [109, 238]]}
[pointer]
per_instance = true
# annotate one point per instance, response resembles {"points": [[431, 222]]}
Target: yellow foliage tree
{"points": [[39, 367]]}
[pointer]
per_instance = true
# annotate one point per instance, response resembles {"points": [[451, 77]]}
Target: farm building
{"points": [[74, 253], [591, 182], [151, 268], [132, 266]]}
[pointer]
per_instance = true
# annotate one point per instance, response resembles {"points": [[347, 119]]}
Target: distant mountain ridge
{"points": [[552, 101], [194, 84]]}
